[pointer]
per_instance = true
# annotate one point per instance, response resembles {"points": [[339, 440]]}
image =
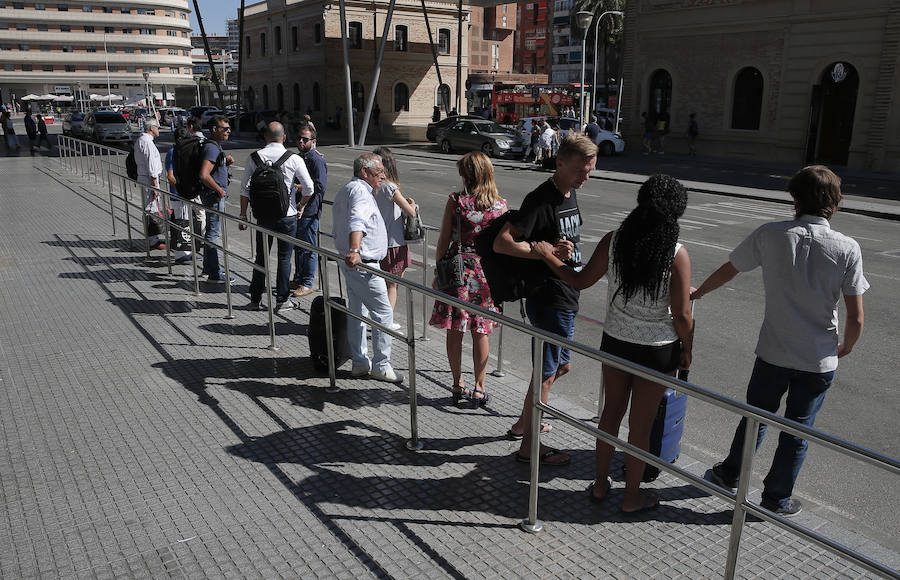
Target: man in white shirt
{"points": [[291, 167], [360, 235], [149, 167]]}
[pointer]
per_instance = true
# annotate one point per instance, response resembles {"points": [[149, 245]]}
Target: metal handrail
{"points": [[754, 415]]}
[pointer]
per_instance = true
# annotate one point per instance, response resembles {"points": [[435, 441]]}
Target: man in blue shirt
{"points": [[214, 177], [309, 208], [360, 235]]}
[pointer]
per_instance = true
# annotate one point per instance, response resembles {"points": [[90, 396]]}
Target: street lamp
{"points": [[78, 91], [583, 19], [596, 39], [197, 79], [147, 96]]}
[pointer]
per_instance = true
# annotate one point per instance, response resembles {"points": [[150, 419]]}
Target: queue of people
{"points": [[807, 268]]}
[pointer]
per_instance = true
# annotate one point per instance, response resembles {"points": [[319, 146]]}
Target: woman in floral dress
{"points": [[477, 205]]}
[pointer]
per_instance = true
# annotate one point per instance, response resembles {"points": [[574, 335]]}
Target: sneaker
{"points": [[717, 476], [791, 508], [395, 326], [158, 246], [359, 372], [220, 279], [303, 291], [254, 306], [286, 305], [387, 375], [185, 260]]}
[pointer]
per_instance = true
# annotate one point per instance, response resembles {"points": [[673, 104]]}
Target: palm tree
{"points": [[612, 38]]}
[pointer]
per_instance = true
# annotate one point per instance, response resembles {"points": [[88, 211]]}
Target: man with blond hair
{"points": [[550, 213]]}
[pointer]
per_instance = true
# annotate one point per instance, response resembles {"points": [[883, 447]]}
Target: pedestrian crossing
{"points": [[709, 215]]}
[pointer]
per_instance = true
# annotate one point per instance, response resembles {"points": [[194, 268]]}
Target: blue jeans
{"points": [[805, 394], [287, 226], [367, 296], [561, 322], [211, 256], [305, 260]]}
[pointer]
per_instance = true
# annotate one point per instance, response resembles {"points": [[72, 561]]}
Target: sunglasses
{"points": [[306, 139], [226, 129]]}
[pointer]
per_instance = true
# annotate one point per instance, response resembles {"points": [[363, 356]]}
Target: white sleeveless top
{"points": [[642, 320]]}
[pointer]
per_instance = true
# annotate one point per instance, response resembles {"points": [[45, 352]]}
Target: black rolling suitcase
{"points": [[315, 332], [548, 163]]}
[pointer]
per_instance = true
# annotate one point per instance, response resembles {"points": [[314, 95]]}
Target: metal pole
{"points": [[424, 283], [167, 231], [348, 102], [459, 45], [224, 219], [193, 250], [532, 524], [376, 75], [212, 67], [240, 71], [498, 372], [265, 242], [329, 324], [737, 520], [619, 102], [112, 208], [434, 57], [127, 199], [596, 62], [583, 49], [414, 444]]}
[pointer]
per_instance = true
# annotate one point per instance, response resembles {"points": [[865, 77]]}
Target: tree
{"points": [[612, 37]]}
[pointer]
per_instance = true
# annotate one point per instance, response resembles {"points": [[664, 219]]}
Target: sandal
{"points": [[649, 501], [596, 499], [481, 401], [459, 392], [545, 428], [547, 458]]}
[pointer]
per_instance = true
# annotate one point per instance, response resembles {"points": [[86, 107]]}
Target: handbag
{"points": [[413, 230], [449, 270]]}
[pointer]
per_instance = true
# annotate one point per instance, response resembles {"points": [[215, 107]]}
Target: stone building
{"points": [[293, 57], [779, 80]]}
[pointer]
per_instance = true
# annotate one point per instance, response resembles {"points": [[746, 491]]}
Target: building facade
{"points": [[232, 26], [491, 46], [64, 48], [293, 58], [532, 38], [565, 60], [793, 82]]}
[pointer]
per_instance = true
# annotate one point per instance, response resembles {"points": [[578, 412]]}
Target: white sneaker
{"points": [[359, 372], [387, 375], [288, 304], [395, 326]]}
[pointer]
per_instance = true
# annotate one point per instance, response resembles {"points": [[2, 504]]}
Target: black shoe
{"points": [[717, 476], [791, 508]]}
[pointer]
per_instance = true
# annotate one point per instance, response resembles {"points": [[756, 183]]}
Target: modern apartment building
{"points": [[234, 35], [293, 57], [491, 46], [533, 37], [66, 48], [566, 56]]}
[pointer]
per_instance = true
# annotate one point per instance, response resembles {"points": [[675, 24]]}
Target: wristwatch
{"points": [[354, 250]]}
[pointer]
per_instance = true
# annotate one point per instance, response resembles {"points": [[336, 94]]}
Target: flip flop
{"points": [[650, 502], [545, 428], [594, 498], [547, 455]]}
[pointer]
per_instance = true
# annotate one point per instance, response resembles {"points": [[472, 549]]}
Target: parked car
{"points": [[106, 127], [486, 136], [72, 124], [167, 115], [207, 115], [435, 128], [198, 111], [608, 142]]}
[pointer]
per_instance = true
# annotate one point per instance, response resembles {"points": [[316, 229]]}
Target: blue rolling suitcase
{"points": [[668, 427]]}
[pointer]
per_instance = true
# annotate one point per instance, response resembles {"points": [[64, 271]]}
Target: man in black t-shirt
{"points": [[550, 213]]}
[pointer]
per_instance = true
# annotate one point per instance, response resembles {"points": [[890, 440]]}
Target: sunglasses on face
{"points": [[305, 139], [225, 129]]}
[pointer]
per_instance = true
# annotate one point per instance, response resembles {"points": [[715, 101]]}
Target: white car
{"points": [[608, 142]]}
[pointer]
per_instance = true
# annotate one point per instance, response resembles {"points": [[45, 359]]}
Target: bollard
{"points": [[533, 525], [414, 444]]}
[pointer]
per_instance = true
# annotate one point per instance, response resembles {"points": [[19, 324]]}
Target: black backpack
{"points": [[270, 197], [131, 165], [187, 160], [509, 278]]}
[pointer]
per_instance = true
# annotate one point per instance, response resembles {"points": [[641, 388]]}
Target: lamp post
{"points": [[78, 95], [596, 39], [147, 96], [197, 81], [583, 19]]}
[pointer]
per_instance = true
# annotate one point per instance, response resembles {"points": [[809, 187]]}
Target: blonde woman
{"points": [[477, 205]]}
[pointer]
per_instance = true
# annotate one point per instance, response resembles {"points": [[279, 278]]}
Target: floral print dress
{"points": [[474, 289]]}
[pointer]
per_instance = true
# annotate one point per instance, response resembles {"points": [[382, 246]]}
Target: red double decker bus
{"points": [[513, 102]]}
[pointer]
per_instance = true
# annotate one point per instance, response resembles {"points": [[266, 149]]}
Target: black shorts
{"points": [[664, 359]]}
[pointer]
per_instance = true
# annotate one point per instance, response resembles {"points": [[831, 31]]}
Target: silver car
{"points": [[486, 136], [72, 124], [106, 127]]}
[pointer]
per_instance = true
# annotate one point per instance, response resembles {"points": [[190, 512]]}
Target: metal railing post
{"points": [[329, 328], [424, 283], [167, 231], [145, 215], [268, 289], [498, 372], [737, 521], [414, 444], [194, 254], [112, 208], [127, 199], [224, 222], [533, 525]]}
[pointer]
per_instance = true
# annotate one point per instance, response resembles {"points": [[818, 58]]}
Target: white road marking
{"points": [[855, 237], [890, 253], [882, 276], [706, 244], [733, 212], [683, 221], [782, 210], [718, 221]]}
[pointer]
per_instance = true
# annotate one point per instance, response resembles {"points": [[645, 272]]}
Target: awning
{"points": [[47, 97], [159, 96], [64, 98], [112, 97], [30, 97]]}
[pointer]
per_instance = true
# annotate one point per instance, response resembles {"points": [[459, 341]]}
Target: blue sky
{"points": [[214, 14]]}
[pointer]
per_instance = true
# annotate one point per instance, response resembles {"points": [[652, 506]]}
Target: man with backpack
{"points": [[149, 168], [214, 180], [268, 186], [550, 213], [309, 208]]}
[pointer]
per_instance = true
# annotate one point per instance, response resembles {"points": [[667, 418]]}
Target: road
{"points": [[861, 406]]}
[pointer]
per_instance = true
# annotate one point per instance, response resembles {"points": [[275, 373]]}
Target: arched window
{"points": [[401, 34], [251, 98], [317, 102], [265, 92], [279, 97], [401, 98], [660, 95], [296, 97], [359, 95], [748, 95], [443, 97]]}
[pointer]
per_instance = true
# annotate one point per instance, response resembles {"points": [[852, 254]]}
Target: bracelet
{"points": [[356, 250]]}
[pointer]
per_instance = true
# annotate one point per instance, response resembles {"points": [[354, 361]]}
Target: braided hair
{"points": [[645, 242]]}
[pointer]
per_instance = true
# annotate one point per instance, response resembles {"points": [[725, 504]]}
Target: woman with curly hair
{"points": [[477, 205], [648, 321]]}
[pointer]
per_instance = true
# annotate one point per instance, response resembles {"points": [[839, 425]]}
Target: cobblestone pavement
{"points": [[146, 435]]}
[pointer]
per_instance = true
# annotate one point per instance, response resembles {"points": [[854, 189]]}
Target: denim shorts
{"points": [[561, 322]]}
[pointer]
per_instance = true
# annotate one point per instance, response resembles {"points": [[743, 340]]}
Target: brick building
{"points": [[532, 37], [293, 57], [788, 82], [492, 46]]}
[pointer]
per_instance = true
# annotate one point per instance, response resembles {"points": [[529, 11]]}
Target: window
{"points": [[111, 49], [113, 68], [128, 50], [444, 41], [317, 103], [125, 10], [279, 97], [67, 48], [278, 41], [401, 34], [748, 94], [91, 48], [173, 51], [401, 98], [45, 48], [126, 31], [48, 68], [62, 7], [131, 69], [19, 5], [24, 47], [262, 43], [65, 28], [171, 33], [295, 39], [251, 97], [317, 34], [21, 26], [107, 9], [354, 34], [87, 8], [248, 46], [148, 51], [296, 103], [40, 6], [108, 29], [27, 67], [88, 28], [357, 95], [265, 96], [12, 67], [93, 68]]}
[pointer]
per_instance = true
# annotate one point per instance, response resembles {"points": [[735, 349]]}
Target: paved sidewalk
{"points": [[147, 436]]}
